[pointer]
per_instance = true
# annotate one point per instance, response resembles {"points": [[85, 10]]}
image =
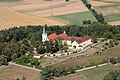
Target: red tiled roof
{"points": [[52, 36], [82, 39], [36, 54], [64, 36]]}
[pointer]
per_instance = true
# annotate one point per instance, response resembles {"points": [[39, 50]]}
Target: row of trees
{"points": [[28, 60], [99, 17], [49, 73]]}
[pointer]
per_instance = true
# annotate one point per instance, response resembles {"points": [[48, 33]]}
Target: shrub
{"points": [[112, 60], [116, 42]]}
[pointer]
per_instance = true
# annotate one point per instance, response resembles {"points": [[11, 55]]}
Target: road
{"points": [[92, 67]]}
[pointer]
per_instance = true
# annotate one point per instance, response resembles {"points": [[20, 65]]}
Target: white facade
{"points": [[82, 45], [85, 43]]}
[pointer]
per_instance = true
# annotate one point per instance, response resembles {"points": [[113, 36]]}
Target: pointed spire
{"points": [[64, 32], [43, 29]]}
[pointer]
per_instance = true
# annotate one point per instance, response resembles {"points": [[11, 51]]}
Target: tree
{"points": [[67, 0], [23, 60], [89, 22], [116, 42], [35, 62], [118, 59], [112, 60], [17, 79], [84, 22], [94, 37], [113, 75], [14, 56], [41, 49], [108, 35], [3, 60], [72, 39]]}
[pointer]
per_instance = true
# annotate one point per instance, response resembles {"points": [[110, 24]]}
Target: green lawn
{"points": [[78, 18], [8, 0], [113, 17]]}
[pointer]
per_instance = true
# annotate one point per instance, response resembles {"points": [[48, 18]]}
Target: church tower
{"points": [[44, 35]]}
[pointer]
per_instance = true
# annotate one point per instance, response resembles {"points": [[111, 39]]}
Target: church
{"points": [[79, 43]]}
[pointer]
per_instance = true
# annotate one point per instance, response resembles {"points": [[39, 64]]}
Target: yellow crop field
{"points": [[10, 18]]}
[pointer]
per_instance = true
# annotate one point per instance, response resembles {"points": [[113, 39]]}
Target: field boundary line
{"points": [[11, 63]]}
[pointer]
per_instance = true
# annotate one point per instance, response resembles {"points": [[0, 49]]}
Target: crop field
{"points": [[107, 0], [111, 0], [12, 72], [51, 8], [97, 3], [92, 74], [10, 18], [111, 12], [78, 18], [8, 0], [24, 13]]}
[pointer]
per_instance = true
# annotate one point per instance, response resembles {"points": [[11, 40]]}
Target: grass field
{"points": [[92, 74], [57, 60], [78, 18], [83, 61], [12, 72]]}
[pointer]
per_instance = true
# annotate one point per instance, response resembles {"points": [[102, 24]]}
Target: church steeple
{"points": [[43, 29], [44, 35]]}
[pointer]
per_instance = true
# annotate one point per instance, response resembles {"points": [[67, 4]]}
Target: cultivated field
{"points": [[111, 11], [10, 18], [92, 74], [12, 72], [99, 3], [51, 8], [20, 13], [111, 0], [8, 0], [115, 23], [78, 18]]}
